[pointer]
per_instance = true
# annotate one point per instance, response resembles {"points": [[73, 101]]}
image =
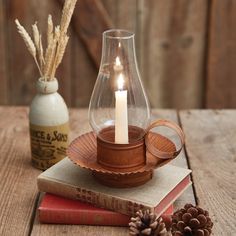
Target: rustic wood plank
{"points": [[111, 8], [79, 125], [18, 187], [93, 20], [84, 74], [181, 160], [23, 73], [75, 230], [124, 16], [103, 15], [173, 50], [211, 147], [3, 64], [127, 19], [20, 62], [221, 70], [89, 20]]}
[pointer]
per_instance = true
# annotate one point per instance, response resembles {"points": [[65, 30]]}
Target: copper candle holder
{"points": [[122, 151], [125, 165], [121, 157]]}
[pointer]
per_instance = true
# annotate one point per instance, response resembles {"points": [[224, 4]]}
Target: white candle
{"points": [[121, 116]]}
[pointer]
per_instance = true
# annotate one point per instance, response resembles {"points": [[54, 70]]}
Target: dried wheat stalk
{"points": [[67, 12], [57, 40], [38, 45], [60, 53], [36, 35], [49, 57], [52, 59], [29, 43], [50, 30], [41, 56]]}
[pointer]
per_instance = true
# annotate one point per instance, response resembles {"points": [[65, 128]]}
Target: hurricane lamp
{"points": [[122, 151], [119, 109]]}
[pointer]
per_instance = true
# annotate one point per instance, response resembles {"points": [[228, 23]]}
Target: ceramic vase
{"points": [[49, 125]]}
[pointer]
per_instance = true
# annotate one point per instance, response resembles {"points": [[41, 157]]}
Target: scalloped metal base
{"points": [[83, 152]]}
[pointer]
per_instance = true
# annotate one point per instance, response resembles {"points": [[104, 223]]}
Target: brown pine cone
{"points": [[191, 221], [146, 223]]}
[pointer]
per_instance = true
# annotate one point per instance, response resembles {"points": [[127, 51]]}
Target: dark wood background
{"points": [[186, 49]]}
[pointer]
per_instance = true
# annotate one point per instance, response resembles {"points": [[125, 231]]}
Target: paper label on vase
{"points": [[48, 144]]}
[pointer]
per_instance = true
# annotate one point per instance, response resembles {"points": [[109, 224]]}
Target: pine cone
{"points": [[191, 221], [146, 223]]}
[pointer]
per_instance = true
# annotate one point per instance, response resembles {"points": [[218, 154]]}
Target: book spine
{"points": [[82, 217], [97, 199]]}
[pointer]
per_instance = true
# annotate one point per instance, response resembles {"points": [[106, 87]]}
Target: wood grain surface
{"points": [[89, 29], [3, 65], [19, 77], [173, 51], [122, 15], [185, 52], [80, 125], [181, 160], [211, 149], [221, 70], [18, 178], [210, 146]]}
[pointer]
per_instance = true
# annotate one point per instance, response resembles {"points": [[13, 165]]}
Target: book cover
{"points": [[58, 210], [68, 180]]}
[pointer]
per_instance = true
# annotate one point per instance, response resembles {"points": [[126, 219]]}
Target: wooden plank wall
{"points": [[221, 69], [3, 66], [173, 51], [185, 51]]}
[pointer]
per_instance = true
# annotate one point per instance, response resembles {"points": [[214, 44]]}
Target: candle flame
{"points": [[118, 63], [120, 81]]}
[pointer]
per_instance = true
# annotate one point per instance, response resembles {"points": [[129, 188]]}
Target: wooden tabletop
{"points": [[210, 152]]}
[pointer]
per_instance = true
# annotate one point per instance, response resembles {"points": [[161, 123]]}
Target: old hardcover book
{"points": [[68, 180], [59, 210]]}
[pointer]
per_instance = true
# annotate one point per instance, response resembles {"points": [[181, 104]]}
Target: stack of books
{"points": [[73, 196]]}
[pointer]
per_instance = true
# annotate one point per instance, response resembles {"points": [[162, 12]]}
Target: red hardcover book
{"points": [[58, 210]]}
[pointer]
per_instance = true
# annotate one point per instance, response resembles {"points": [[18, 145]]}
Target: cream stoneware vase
{"points": [[49, 125]]}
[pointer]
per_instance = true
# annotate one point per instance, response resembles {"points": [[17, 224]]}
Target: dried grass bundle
{"points": [[57, 40]]}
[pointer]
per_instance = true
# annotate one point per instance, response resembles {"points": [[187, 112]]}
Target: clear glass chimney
{"points": [[118, 100]]}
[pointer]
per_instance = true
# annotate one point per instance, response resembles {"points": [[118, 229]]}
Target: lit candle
{"points": [[121, 116], [118, 67]]}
